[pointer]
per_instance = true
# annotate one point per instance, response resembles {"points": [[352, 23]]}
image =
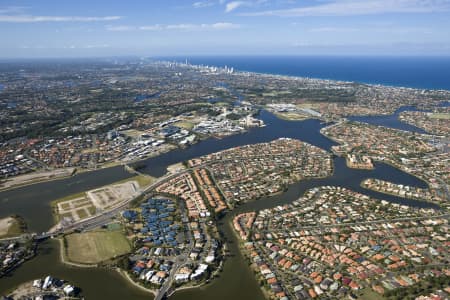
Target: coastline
{"points": [[87, 266], [238, 70], [37, 181], [135, 284], [78, 170]]}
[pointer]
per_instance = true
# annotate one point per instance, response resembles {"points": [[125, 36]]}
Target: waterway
{"points": [[236, 281], [32, 202], [391, 121], [96, 283]]}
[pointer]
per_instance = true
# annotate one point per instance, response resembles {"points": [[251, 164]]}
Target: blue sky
{"points": [[63, 28]]}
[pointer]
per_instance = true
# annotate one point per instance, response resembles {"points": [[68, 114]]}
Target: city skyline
{"points": [[220, 27]]}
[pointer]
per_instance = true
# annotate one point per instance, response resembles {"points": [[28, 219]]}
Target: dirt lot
{"points": [[105, 197]]}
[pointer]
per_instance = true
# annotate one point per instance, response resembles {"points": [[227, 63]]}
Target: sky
{"points": [[92, 28]]}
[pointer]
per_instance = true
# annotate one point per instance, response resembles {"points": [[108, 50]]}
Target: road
{"points": [[381, 221], [106, 216], [180, 261]]}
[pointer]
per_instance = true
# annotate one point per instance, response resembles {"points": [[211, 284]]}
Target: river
{"points": [[391, 121], [32, 202], [236, 281]]}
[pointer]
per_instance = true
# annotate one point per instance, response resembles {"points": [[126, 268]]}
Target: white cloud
{"points": [[391, 29], [233, 5], [12, 10], [202, 4], [230, 6], [35, 19], [224, 25], [334, 29], [360, 7], [96, 46], [65, 46], [195, 27], [176, 27], [151, 27], [120, 28]]}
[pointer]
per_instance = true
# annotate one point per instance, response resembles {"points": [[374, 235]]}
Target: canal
{"points": [[391, 121], [236, 281], [32, 202]]}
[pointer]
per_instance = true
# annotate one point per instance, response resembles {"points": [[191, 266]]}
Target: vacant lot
{"points": [[292, 116], [443, 116], [96, 246]]}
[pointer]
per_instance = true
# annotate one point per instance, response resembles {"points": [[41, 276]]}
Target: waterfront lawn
{"points": [[369, 294], [96, 246], [142, 180]]}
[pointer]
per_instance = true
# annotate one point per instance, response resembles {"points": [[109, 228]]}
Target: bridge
{"points": [[105, 217]]}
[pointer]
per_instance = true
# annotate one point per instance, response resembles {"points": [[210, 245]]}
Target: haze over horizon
{"points": [[223, 27]]}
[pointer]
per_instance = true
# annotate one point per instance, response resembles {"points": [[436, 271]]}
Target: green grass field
{"points": [[96, 246], [368, 294], [185, 124]]}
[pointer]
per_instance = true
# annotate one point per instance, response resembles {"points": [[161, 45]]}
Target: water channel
{"points": [[236, 281], [391, 121]]}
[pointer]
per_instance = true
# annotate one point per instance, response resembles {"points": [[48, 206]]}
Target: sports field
{"points": [[96, 246]]}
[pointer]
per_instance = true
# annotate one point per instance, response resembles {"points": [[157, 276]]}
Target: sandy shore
{"points": [[32, 178], [137, 285]]}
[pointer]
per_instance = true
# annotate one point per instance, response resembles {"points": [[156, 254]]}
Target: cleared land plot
{"points": [[292, 116], [96, 246], [82, 213], [176, 167], [86, 204], [442, 116], [276, 93], [76, 209], [111, 195]]}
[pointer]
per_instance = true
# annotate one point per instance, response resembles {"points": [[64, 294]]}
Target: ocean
{"points": [[414, 72]]}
